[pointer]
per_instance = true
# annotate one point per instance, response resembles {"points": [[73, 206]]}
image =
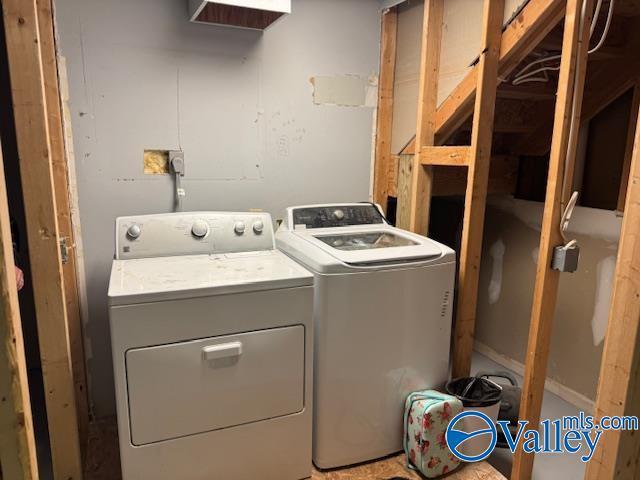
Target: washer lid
{"points": [[367, 246], [187, 276]]}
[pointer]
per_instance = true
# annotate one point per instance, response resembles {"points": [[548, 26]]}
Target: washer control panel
{"points": [[192, 233], [335, 215]]}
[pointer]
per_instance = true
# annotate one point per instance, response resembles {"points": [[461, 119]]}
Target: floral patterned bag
{"points": [[427, 415]]}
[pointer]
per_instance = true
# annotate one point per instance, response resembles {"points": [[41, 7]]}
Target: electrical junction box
{"points": [[565, 259], [253, 14]]}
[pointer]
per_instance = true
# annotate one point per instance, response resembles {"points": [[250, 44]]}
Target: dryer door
{"points": [[203, 385]]}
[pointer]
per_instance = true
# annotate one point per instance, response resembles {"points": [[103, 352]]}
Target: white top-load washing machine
{"points": [[382, 320], [211, 330]]}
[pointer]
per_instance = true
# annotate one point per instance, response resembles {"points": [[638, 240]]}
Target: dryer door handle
{"points": [[223, 350]]}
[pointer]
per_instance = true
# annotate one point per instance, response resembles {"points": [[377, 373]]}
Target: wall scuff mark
{"points": [[495, 284], [604, 271]]}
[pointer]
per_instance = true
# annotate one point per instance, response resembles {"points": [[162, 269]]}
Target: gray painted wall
{"points": [[238, 102]]}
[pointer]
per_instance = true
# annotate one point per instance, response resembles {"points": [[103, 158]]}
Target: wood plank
{"points": [[476, 193], [17, 443], [547, 280], [521, 36], [418, 200], [34, 150], [384, 120], [405, 166], [618, 383], [392, 176], [448, 181], [65, 227], [628, 153], [448, 156]]}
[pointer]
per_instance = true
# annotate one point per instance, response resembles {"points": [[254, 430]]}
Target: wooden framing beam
{"points": [[477, 181], [447, 156], [17, 444], [629, 148], [384, 119], [65, 227], [35, 158], [521, 36], [417, 200], [619, 383], [447, 181], [574, 52]]}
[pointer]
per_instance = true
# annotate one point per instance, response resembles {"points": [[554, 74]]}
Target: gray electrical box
{"points": [[565, 259]]}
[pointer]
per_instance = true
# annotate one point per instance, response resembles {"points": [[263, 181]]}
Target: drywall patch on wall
{"points": [[495, 283], [345, 90], [604, 271]]}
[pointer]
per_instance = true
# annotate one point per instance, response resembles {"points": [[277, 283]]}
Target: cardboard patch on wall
{"points": [[345, 90], [156, 162]]}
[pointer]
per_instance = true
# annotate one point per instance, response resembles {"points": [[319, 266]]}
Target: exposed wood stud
{"points": [[448, 156], [17, 444], [385, 107], [418, 200], [35, 159], [405, 166], [61, 187], [476, 193], [618, 385], [574, 47]]}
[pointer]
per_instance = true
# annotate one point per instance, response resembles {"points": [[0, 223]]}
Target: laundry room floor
{"points": [[103, 463]]}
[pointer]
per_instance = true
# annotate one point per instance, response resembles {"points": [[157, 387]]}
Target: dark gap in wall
{"points": [[25, 296], [605, 154], [392, 209], [532, 178]]}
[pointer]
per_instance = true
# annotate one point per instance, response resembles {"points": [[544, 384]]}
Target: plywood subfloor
{"points": [[103, 463]]}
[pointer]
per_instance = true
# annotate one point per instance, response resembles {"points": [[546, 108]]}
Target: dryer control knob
{"points": [[199, 229], [258, 226], [134, 231], [338, 214], [239, 227]]}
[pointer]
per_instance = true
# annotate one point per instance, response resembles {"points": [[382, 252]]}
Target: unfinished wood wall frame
{"points": [[35, 151], [17, 443], [570, 85], [384, 120], [619, 384], [415, 179], [521, 36], [65, 227], [414, 203], [476, 194]]}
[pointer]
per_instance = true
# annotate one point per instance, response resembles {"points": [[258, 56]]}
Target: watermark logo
{"points": [[457, 436], [473, 431]]}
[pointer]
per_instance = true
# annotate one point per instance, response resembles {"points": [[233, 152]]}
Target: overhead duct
{"points": [[254, 14]]}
